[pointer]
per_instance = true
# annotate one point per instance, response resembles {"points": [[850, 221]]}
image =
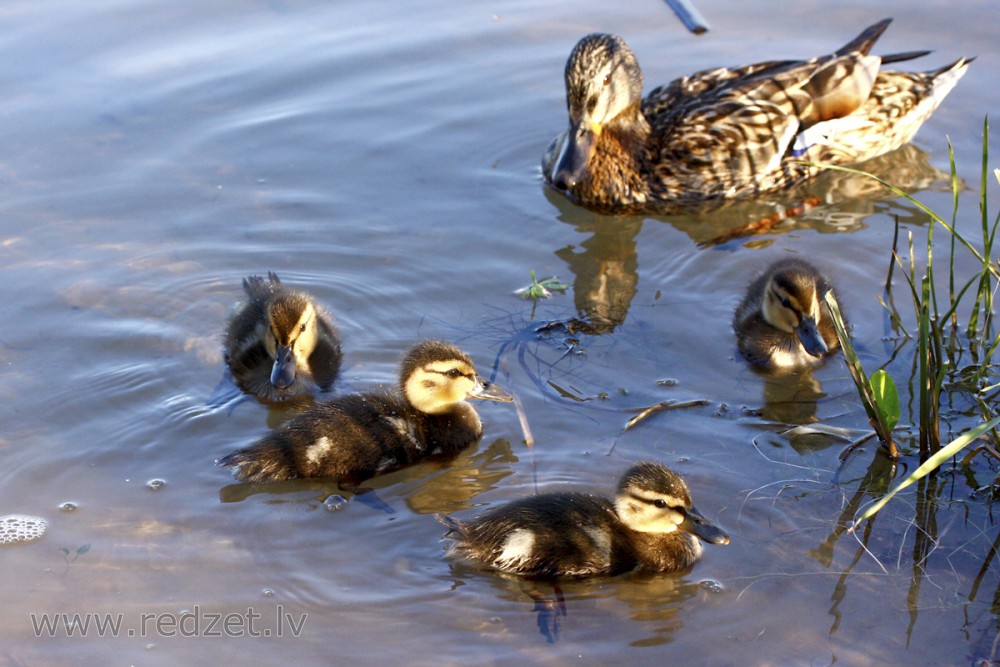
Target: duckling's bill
{"points": [[283, 371], [696, 524], [488, 391], [810, 337]]}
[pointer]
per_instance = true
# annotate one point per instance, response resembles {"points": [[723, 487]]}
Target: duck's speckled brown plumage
{"points": [[651, 525], [354, 437], [276, 318], [783, 323], [729, 133]]}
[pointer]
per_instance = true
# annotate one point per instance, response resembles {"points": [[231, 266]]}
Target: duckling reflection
{"points": [[280, 345], [354, 437], [792, 398], [652, 525], [730, 133], [783, 324]]}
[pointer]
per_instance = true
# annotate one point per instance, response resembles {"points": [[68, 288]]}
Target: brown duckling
{"points": [[783, 323], [279, 344], [730, 132], [354, 437], [652, 525]]}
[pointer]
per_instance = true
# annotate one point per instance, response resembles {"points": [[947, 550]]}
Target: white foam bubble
{"points": [[18, 528]]}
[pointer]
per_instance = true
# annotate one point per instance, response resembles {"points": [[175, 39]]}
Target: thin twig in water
{"points": [[522, 417], [665, 405]]}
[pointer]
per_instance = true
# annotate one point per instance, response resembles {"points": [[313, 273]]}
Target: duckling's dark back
{"points": [[555, 534]]}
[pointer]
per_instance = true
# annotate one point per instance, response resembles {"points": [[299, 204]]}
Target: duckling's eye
{"points": [[302, 328], [785, 302], [607, 80], [454, 373], [660, 502]]}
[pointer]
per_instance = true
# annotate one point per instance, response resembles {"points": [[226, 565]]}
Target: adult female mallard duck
{"points": [[280, 345], [783, 323], [354, 437], [651, 525], [730, 133]]}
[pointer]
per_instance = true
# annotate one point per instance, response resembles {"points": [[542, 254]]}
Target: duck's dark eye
{"points": [[607, 80], [454, 373], [785, 302], [302, 328], [660, 502]]}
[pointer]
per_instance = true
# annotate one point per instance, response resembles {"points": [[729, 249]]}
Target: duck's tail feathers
{"points": [[946, 77], [865, 40], [906, 55]]}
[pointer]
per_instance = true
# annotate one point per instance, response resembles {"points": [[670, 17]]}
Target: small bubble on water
{"points": [[268, 593], [155, 484], [712, 586], [68, 507], [334, 503], [667, 382]]}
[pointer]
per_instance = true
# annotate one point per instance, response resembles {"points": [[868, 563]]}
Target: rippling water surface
{"points": [[384, 156]]}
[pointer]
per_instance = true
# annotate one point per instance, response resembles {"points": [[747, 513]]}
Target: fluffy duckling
{"points": [[783, 324], [651, 525], [730, 133], [354, 437], [280, 345]]}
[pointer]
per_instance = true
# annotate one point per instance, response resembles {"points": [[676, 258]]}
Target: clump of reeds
{"points": [[954, 352]]}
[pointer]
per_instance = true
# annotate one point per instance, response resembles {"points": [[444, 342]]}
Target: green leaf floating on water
{"points": [[886, 397]]}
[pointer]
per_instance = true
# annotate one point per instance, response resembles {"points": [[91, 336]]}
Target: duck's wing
{"points": [[728, 130]]}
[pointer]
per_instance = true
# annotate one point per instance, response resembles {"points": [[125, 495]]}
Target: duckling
{"points": [[783, 323], [651, 525], [280, 345], [354, 437], [729, 133]]}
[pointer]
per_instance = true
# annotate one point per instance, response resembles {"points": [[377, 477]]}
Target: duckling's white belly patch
{"points": [[316, 451], [517, 549], [794, 358]]}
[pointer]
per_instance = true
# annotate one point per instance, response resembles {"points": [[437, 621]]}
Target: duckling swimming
{"points": [[729, 133], [783, 323], [279, 344], [652, 525], [354, 437]]}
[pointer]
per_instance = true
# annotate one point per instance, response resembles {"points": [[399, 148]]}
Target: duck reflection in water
{"points": [[605, 270]]}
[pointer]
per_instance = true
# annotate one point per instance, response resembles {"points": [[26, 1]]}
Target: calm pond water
{"points": [[384, 155]]}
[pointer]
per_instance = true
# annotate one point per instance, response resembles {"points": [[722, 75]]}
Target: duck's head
{"points": [[603, 80], [652, 498], [436, 375], [292, 332], [792, 304]]}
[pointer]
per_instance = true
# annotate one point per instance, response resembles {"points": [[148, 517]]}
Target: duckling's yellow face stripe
{"points": [[435, 387], [650, 512], [784, 310]]}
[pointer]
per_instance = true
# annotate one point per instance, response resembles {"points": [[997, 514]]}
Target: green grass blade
{"points": [[931, 464]]}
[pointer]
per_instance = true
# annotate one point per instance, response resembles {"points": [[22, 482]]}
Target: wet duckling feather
{"points": [[651, 525], [280, 344], [357, 436], [783, 322]]}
